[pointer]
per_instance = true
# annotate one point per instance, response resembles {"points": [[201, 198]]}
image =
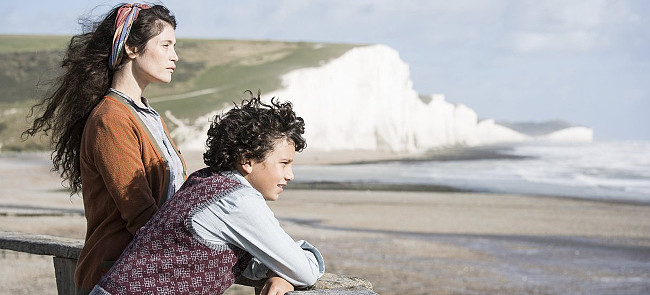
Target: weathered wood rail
{"points": [[66, 251]]}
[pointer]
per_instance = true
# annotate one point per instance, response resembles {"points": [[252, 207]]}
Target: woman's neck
{"points": [[126, 83]]}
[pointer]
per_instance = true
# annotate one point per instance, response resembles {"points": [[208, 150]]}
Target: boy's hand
{"points": [[276, 285]]}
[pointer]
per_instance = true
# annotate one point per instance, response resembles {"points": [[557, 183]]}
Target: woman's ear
{"points": [[130, 51]]}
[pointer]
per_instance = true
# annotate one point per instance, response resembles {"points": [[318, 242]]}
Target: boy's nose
{"points": [[288, 176]]}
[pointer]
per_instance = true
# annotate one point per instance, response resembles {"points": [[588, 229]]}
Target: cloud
{"points": [[555, 26], [530, 42]]}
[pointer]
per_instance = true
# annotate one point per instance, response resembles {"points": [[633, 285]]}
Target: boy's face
{"points": [[269, 176]]}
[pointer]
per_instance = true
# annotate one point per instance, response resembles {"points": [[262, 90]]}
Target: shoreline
{"points": [[352, 157], [194, 163], [432, 188]]}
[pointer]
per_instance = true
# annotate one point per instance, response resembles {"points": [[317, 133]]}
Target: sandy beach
{"points": [[403, 242]]}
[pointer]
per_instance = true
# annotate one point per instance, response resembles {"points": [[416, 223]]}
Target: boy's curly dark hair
{"points": [[250, 130]]}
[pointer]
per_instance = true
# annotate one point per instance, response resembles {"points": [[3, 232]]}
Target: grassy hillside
{"points": [[209, 74]]}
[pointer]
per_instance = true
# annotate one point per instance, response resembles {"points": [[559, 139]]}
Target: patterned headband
{"points": [[126, 15]]}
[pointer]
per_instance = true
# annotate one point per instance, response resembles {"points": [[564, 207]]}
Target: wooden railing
{"points": [[66, 251]]}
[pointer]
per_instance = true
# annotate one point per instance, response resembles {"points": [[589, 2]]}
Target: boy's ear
{"points": [[246, 165]]}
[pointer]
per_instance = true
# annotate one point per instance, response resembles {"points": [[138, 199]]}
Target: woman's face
{"points": [[156, 62]]}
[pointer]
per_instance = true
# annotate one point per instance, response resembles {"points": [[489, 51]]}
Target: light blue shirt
{"points": [[243, 219]]}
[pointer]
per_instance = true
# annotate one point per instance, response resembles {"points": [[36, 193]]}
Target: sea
{"points": [[604, 170]]}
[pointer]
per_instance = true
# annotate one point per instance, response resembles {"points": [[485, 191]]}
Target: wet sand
{"points": [[403, 242]]}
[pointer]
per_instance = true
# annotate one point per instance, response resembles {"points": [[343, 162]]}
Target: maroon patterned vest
{"points": [[167, 257]]}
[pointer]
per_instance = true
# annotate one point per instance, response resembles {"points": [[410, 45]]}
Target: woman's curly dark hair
{"points": [[250, 130], [86, 77]]}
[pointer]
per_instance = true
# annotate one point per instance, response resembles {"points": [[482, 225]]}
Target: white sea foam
{"points": [[602, 170]]}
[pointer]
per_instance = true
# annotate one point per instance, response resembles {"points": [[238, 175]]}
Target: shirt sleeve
{"points": [[118, 159], [244, 219]]}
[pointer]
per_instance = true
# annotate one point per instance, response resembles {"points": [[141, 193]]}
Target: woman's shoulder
{"points": [[110, 110], [110, 106], [110, 116]]}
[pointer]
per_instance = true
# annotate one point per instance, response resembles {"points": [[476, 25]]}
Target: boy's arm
{"points": [[276, 285], [255, 229], [258, 269], [245, 220]]}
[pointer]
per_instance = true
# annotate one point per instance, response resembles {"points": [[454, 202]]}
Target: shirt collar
{"points": [[240, 178], [132, 102]]}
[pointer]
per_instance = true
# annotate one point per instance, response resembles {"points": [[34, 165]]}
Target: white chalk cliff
{"points": [[364, 100]]}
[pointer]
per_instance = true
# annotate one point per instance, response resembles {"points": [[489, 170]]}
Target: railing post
{"points": [[64, 273]]}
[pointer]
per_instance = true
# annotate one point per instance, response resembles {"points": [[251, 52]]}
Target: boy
{"points": [[218, 226]]}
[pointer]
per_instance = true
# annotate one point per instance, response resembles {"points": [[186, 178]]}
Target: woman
{"points": [[109, 143]]}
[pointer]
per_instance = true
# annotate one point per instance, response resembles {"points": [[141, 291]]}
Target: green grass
{"points": [[32, 43], [13, 121], [231, 66]]}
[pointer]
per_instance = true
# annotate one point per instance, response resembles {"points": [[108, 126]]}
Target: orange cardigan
{"points": [[124, 179]]}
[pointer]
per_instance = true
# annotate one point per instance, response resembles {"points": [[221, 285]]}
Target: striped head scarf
{"points": [[126, 15]]}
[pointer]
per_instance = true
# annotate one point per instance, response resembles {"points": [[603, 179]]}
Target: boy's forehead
{"points": [[282, 142], [284, 148]]}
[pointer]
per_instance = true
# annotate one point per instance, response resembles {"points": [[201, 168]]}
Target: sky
{"points": [[583, 61]]}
